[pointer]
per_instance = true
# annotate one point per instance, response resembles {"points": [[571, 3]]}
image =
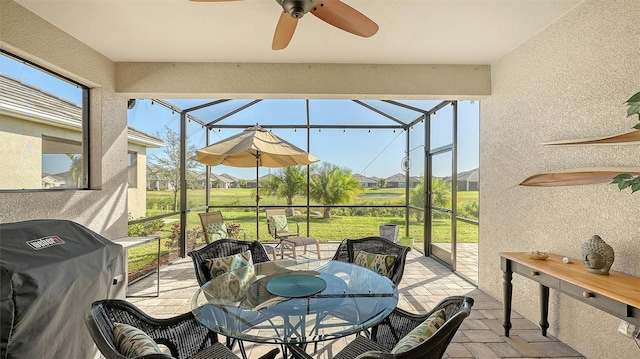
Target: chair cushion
{"points": [[381, 263], [133, 342], [233, 286], [420, 333], [279, 222], [217, 230]]}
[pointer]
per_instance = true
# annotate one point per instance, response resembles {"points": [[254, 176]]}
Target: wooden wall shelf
{"points": [[629, 138], [578, 176]]}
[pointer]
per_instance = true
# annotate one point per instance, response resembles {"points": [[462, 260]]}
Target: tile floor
{"points": [[425, 283]]}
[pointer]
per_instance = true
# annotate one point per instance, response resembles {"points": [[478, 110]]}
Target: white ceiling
{"points": [[411, 31]]}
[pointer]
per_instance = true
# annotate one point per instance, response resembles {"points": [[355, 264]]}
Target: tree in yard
{"points": [[167, 163], [382, 182], [417, 199], [441, 192], [75, 169], [286, 183], [332, 184]]}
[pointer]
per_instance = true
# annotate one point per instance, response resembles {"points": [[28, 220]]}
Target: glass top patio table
{"points": [[294, 303]]}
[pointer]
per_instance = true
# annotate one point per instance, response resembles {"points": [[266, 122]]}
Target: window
{"points": [[132, 169], [57, 154], [43, 122]]}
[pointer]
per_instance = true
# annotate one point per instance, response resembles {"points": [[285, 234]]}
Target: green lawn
{"points": [[342, 225]]}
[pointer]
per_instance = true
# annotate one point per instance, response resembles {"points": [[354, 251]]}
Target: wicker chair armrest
{"points": [[375, 355], [244, 233], [272, 354], [297, 352]]}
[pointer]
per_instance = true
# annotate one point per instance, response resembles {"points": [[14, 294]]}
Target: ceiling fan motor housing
{"points": [[297, 8]]}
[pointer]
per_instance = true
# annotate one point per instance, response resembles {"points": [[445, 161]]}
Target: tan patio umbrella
{"points": [[257, 147]]}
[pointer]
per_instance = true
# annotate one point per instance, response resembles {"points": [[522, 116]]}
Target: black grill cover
{"points": [[50, 272]]}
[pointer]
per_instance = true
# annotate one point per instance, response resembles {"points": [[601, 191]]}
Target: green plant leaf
{"points": [[634, 108], [623, 184], [634, 98], [621, 177], [637, 127], [635, 186]]}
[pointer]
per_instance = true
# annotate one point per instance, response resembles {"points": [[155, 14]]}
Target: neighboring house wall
{"points": [[569, 81], [137, 196], [20, 168]]}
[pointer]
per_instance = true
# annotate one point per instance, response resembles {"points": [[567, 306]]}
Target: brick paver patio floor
{"points": [[425, 283]]}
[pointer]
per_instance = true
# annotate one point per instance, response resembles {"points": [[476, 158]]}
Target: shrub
{"points": [[145, 228]]}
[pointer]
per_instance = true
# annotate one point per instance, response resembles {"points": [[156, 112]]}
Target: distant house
{"points": [[51, 128], [223, 181], [252, 182], [49, 181], [399, 181], [467, 180], [156, 180], [366, 182]]}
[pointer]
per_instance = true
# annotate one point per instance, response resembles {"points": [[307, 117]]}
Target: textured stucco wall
{"points": [[137, 196], [569, 81], [103, 207]]}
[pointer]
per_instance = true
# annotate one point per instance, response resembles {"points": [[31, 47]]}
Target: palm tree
{"points": [[331, 184], [75, 169], [286, 183], [441, 194], [417, 199]]}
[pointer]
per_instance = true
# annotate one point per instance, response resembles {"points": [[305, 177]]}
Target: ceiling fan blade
{"points": [[344, 17], [284, 31]]}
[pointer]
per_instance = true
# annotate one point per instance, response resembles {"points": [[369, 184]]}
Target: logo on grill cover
{"points": [[45, 242]]}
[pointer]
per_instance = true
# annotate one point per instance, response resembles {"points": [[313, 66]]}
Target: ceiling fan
{"points": [[333, 12]]}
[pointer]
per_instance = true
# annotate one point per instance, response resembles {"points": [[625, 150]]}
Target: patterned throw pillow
{"points": [[133, 342], [216, 231], [232, 286], [279, 222], [420, 333], [380, 263]]}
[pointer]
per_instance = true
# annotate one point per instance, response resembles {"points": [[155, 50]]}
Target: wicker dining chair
{"points": [[386, 335], [183, 335], [222, 248], [376, 245]]}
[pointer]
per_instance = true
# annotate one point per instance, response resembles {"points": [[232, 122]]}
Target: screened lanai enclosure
{"points": [[413, 164]]}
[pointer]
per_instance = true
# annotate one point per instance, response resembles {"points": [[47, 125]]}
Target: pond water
{"points": [[387, 195]]}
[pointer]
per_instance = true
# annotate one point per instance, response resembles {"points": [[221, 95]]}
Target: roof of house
{"points": [[27, 102], [365, 179]]}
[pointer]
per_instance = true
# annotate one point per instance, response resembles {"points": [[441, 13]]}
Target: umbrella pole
{"points": [[257, 199]]}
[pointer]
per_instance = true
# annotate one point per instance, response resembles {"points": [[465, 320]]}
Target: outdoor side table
{"points": [[130, 242]]}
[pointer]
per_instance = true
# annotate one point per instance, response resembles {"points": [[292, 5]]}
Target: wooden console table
{"points": [[617, 294]]}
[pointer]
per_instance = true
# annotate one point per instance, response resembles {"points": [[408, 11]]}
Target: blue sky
{"points": [[371, 152]]}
